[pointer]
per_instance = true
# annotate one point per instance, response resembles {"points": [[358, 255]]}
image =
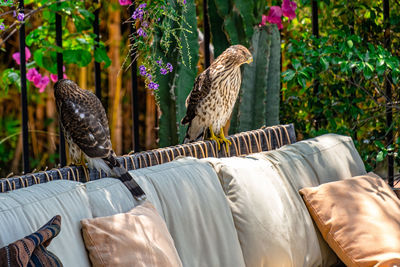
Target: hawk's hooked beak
{"points": [[249, 60]]}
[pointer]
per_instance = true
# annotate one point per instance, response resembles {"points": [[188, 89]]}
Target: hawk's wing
{"points": [[85, 121], [201, 89]]}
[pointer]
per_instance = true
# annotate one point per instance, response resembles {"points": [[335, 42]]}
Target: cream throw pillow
{"points": [[137, 238], [359, 218]]}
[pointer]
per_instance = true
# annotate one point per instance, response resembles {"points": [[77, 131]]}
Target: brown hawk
{"points": [[210, 103], [85, 125]]}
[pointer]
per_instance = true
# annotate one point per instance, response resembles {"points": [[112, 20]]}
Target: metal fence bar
{"points": [[388, 84], [206, 35], [60, 74], [134, 83], [24, 100], [96, 30], [315, 32]]}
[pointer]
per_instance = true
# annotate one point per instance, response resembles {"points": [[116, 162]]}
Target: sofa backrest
{"points": [[25, 210], [272, 221]]}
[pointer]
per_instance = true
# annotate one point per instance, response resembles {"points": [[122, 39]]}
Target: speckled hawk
{"points": [[210, 103], [86, 130]]}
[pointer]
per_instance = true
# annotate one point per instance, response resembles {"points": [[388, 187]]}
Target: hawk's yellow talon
{"points": [[223, 139], [216, 139]]}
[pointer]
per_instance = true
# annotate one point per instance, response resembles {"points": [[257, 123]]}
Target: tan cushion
{"points": [[138, 237], [272, 222], [359, 218], [196, 212]]}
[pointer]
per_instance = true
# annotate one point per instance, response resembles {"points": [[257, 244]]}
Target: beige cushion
{"points": [[359, 218], [136, 238], [109, 196], [25, 210], [196, 212], [297, 172], [272, 222]]}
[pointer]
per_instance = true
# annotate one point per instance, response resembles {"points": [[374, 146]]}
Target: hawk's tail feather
{"points": [[123, 175], [129, 182], [132, 186], [189, 138]]}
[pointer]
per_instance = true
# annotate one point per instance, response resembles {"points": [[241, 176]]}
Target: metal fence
{"points": [[135, 136]]}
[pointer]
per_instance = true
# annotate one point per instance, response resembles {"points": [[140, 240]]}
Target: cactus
{"points": [[273, 99], [176, 86], [261, 80]]}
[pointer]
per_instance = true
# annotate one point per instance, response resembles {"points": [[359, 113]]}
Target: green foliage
{"points": [[351, 67], [176, 86], [78, 39], [259, 93]]}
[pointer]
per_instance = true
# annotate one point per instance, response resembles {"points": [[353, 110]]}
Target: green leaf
{"points": [[379, 145], [380, 156], [100, 55], [81, 24], [301, 81], [350, 43], [86, 14], [288, 75], [79, 56], [324, 63]]}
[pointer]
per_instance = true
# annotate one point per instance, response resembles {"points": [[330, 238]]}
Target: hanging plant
{"points": [[148, 19]]}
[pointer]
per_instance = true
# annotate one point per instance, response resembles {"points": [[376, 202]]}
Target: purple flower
{"points": [[163, 71], [20, 16], [145, 24], [169, 67], [275, 16], [2, 27], [138, 14], [159, 62], [289, 8], [141, 32], [153, 85], [148, 75], [125, 2], [142, 70], [142, 6], [184, 2]]}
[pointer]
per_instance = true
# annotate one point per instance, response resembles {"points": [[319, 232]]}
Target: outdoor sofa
{"points": [[233, 211]]}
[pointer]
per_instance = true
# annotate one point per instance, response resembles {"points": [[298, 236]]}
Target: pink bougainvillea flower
{"points": [[125, 2], [31, 74], [17, 56], [36, 80], [275, 16], [41, 82], [263, 21], [289, 9], [53, 77]]}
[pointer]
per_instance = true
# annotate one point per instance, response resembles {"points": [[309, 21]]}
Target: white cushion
{"points": [[196, 212], [272, 223], [332, 157], [25, 210]]}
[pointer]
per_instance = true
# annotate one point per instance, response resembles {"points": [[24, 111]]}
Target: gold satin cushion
{"points": [[359, 218], [137, 238]]}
